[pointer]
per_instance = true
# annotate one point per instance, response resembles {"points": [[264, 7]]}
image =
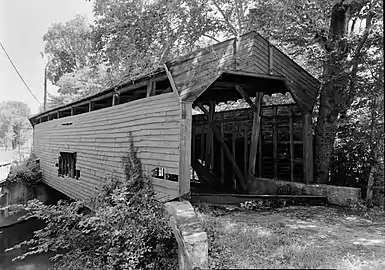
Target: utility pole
{"points": [[45, 88]]}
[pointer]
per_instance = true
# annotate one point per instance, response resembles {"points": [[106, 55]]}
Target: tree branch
{"points": [[357, 54], [211, 37], [238, 8], [232, 28]]}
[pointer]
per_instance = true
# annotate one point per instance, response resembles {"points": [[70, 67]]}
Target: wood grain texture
{"points": [[100, 139], [195, 74], [255, 133], [185, 147]]}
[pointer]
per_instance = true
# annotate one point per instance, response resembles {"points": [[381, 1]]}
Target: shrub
{"points": [[126, 228], [27, 172]]}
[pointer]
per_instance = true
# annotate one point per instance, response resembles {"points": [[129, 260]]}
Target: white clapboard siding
{"points": [[100, 139]]}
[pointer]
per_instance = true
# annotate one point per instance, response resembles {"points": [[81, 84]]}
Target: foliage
{"points": [[68, 47], [136, 36], [14, 125], [359, 146], [133, 37], [27, 172], [126, 229]]}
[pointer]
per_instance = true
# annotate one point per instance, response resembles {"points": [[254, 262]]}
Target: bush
{"points": [[126, 229], [27, 172]]}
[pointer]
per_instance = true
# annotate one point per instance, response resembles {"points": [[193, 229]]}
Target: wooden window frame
{"points": [[67, 165]]}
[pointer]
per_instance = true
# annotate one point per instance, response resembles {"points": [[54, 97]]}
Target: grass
{"points": [[291, 238]]}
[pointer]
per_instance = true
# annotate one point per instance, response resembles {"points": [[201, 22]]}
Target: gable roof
{"points": [[194, 73], [250, 54]]}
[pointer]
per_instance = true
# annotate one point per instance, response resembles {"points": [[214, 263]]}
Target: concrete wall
{"points": [[16, 193], [190, 235], [335, 194]]}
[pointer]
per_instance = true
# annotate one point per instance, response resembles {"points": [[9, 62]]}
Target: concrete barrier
{"points": [[190, 235], [334, 194]]}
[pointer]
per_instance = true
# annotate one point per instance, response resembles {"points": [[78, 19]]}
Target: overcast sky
{"points": [[22, 26]]}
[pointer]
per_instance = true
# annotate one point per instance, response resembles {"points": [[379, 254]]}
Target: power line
{"points": [[18, 73]]}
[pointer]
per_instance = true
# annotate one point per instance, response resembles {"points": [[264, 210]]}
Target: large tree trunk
{"points": [[340, 75], [331, 91]]}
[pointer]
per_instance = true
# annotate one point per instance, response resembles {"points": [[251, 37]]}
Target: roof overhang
{"points": [[223, 89]]}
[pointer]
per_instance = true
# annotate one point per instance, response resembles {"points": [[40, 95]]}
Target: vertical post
{"points": [[235, 49], [255, 134], [202, 147], [245, 144], [115, 99], [72, 111], [307, 139], [275, 146], [209, 136], [260, 154], [193, 144], [185, 147], [150, 88], [222, 153], [291, 135], [91, 106], [233, 139], [45, 88], [271, 48], [212, 108]]}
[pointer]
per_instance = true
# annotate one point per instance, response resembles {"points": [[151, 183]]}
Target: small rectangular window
{"points": [[67, 165], [38, 163]]}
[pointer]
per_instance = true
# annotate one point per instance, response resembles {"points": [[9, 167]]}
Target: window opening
{"points": [[67, 165]]}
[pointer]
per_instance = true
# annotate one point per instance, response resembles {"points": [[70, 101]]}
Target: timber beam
{"points": [[256, 107], [247, 98], [218, 136]]}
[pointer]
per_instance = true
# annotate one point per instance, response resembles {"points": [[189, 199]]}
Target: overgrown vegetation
{"points": [[15, 129], [26, 172], [339, 42], [292, 238], [126, 228]]}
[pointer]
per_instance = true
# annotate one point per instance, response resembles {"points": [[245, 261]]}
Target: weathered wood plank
{"points": [[256, 130], [291, 135], [100, 139], [275, 144], [171, 79], [222, 156], [218, 136], [185, 148]]}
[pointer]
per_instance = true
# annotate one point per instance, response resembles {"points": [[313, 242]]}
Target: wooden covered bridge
{"points": [[79, 144]]}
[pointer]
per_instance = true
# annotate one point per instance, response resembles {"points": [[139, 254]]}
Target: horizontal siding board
{"points": [[293, 73], [100, 139]]}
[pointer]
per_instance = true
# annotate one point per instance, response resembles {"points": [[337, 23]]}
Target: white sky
{"points": [[22, 26]]}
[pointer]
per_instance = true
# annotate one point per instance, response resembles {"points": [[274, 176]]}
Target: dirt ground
{"points": [[298, 237]]}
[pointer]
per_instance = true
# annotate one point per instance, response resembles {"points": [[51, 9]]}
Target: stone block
{"points": [[194, 238]]}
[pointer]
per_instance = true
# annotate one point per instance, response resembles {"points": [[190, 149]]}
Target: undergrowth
{"points": [[126, 229], [26, 172], [240, 238]]}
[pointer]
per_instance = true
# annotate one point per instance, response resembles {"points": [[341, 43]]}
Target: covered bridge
{"points": [[81, 143]]}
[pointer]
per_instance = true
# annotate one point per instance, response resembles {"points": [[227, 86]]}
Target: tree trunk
{"points": [[331, 91], [340, 76], [325, 134]]}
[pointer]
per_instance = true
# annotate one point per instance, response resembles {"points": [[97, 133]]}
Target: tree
{"points": [[334, 36], [68, 47], [344, 49], [134, 37], [14, 124], [328, 38]]}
